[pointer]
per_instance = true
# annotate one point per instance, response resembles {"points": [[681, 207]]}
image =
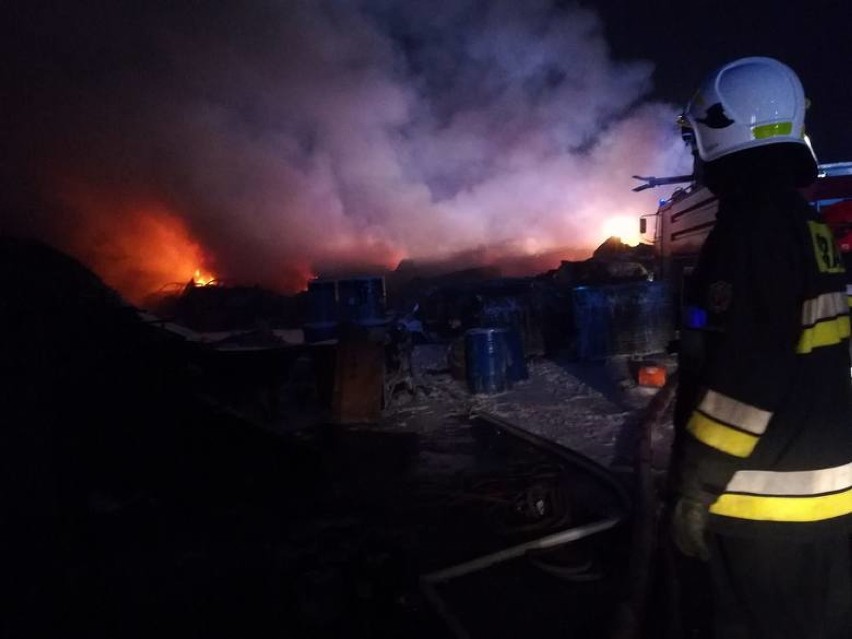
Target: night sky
{"points": [[267, 142], [688, 39]]}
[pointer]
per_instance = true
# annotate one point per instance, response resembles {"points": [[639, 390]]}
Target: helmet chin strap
{"points": [[697, 167], [688, 135]]}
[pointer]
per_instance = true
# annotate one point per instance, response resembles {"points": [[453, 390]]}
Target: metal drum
{"points": [[622, 319], [487, 360], [517, 364], [322, 316], [361, 300]]}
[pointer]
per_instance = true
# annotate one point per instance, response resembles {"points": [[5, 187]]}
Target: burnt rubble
{"points": [[203, 465]]}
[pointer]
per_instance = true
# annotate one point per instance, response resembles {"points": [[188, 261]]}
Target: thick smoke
{"points": [[280, 138]]}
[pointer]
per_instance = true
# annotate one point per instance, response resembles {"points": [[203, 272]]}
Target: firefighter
{"points": [[762, 461]]}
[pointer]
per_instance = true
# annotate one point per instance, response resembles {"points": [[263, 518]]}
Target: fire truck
{"points": [[683, 221]]}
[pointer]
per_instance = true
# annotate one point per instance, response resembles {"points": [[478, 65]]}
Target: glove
{"points": [[698, 478], [689, 527]]}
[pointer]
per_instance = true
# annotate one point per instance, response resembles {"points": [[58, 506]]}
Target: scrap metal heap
{"points": [[216, 477]]}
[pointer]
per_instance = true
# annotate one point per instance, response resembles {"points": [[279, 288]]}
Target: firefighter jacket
{"points": [[768, 429]]}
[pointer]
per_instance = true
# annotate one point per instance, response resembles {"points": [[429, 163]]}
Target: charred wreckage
{"points": [[340, 462]]}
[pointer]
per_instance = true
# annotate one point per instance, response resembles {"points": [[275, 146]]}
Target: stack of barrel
{"points": [[333, 304], [633, 318], [345, 321], [322, 312], [494, 359]]}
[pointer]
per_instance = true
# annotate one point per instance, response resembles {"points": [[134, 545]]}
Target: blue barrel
{"points": [[517, 364], [361, 300], [591, 311], [322, 316], [622, 319], [486, 360]]}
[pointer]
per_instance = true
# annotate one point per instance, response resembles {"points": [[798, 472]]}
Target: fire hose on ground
{"points": [[632, 612], [428, 582]]}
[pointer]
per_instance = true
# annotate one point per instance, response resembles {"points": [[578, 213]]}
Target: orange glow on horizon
{"points": [[152, 249], [141, 246], [624, 228], [137, 248]]}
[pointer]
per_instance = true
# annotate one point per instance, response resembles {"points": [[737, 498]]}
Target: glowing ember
{"points": [[202, 279]]}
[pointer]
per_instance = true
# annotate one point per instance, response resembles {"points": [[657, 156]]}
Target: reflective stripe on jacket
{"points": [[771, 433]]}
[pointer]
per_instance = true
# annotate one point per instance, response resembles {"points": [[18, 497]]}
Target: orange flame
{"points": [[136, 248], [203, 278]]}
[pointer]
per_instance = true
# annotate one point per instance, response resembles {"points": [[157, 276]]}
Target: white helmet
{"points": [[747, 103]]}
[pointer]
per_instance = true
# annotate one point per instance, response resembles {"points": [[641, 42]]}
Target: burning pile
{"points": [[166, 139]]}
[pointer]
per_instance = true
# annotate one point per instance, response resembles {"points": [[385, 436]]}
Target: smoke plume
{"points": [[267, 140]]}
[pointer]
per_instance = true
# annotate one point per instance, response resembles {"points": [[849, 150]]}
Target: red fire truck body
{"points": [[684, 220]]}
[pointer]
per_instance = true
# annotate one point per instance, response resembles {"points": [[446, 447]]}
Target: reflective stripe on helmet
{"points": [[772, 130]]}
